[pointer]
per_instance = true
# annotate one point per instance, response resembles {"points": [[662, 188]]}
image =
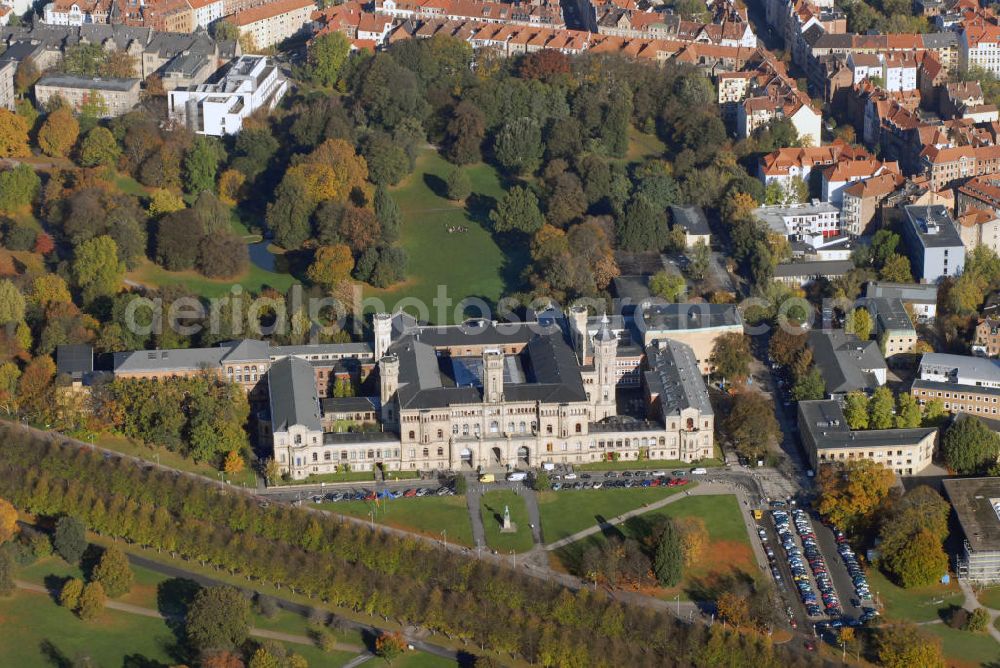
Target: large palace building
{"points": [[559, 389]]}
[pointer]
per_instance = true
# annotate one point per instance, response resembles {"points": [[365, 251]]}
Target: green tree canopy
{"points": [[880, 409], [326, 57], [856, 409], [668, 560], [113, 572], [219, 618], [99, 148], [517, 210], [970, 447], [69, 539]]}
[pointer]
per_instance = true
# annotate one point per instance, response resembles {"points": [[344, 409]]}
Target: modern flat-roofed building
{"points": [[963, 383], [802, 273], [977, 506], [893, 327], [802, 221], [110, 97], [935, 247], [828, 439], [252, 83], [847, 363]]}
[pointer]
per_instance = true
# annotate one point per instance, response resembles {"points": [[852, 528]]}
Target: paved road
{"points": [[971, 603]]}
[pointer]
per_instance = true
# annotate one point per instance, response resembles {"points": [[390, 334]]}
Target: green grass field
{"points": [[469, 264], [564, 513], [642, 146], [349, 476], [990, 597], [428, 515], [963, 648], [919, 604], [161, 455], [253, 280], [491, 506], [667, 465], [728, 551], [35, 631]]}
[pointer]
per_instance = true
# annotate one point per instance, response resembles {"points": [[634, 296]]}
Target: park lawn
{"points": [[919, 604], [468, 264], [348, 476], [429, 515], [642, 145], [491, 506], [964, 649], [728, 551], [253, 280], [564, 513], [990, 597], [667, 465], [258, 586], [166, 457], [130, 186], [35, 631], [421, 660]]}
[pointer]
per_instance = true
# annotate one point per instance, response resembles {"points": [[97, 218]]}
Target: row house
{"points": [[656, 25], [77, 12], [979, 44], [862, 200], [979, 227], [947, 165], [269, 25], [897, 72], [839, 176], [979, 194], [484, 12]]}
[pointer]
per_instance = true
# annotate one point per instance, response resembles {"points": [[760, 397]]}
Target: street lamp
{"points": [[512, 553], [678, 599], [444, 532]]}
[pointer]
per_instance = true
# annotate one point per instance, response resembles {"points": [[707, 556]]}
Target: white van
{"points": [[549, 466], [517, 476], [699, 471]]}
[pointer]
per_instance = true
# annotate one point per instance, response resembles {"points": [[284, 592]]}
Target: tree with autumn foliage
{"points": [[853, 492], [34, 387], [13, 135], [331, 266], [59, 132], [904, 645], [230, 186], [548, 65], [389, 645], [8, 521], [234, 463]]}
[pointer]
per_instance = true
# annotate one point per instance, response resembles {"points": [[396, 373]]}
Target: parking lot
{"points": [[619, 479]]}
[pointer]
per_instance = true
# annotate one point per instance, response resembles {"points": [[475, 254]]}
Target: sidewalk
{"points": [[971, 603]]}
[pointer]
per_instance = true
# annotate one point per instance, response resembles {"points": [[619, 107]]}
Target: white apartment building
{"points": [[979, 46], [252, 83], [206, 11], [812, 222]]}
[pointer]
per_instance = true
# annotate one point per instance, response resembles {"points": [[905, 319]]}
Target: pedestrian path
{"points": [[971, 603], [156, 614], [702, 489]]}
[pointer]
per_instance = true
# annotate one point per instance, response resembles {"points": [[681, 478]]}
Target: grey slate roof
{"points": [[890, 314], [549, 366], [181, 359], [815, 268], [674, 375], [918, 293], [90, 83], [845, 361], [962, 369], [691, 219], [293, 395], [74, 360], [353, 348], [679, 317], [349, 404]]}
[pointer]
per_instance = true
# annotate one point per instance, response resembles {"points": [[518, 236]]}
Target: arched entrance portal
{"points": [[467, 457], [523, 456]]}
